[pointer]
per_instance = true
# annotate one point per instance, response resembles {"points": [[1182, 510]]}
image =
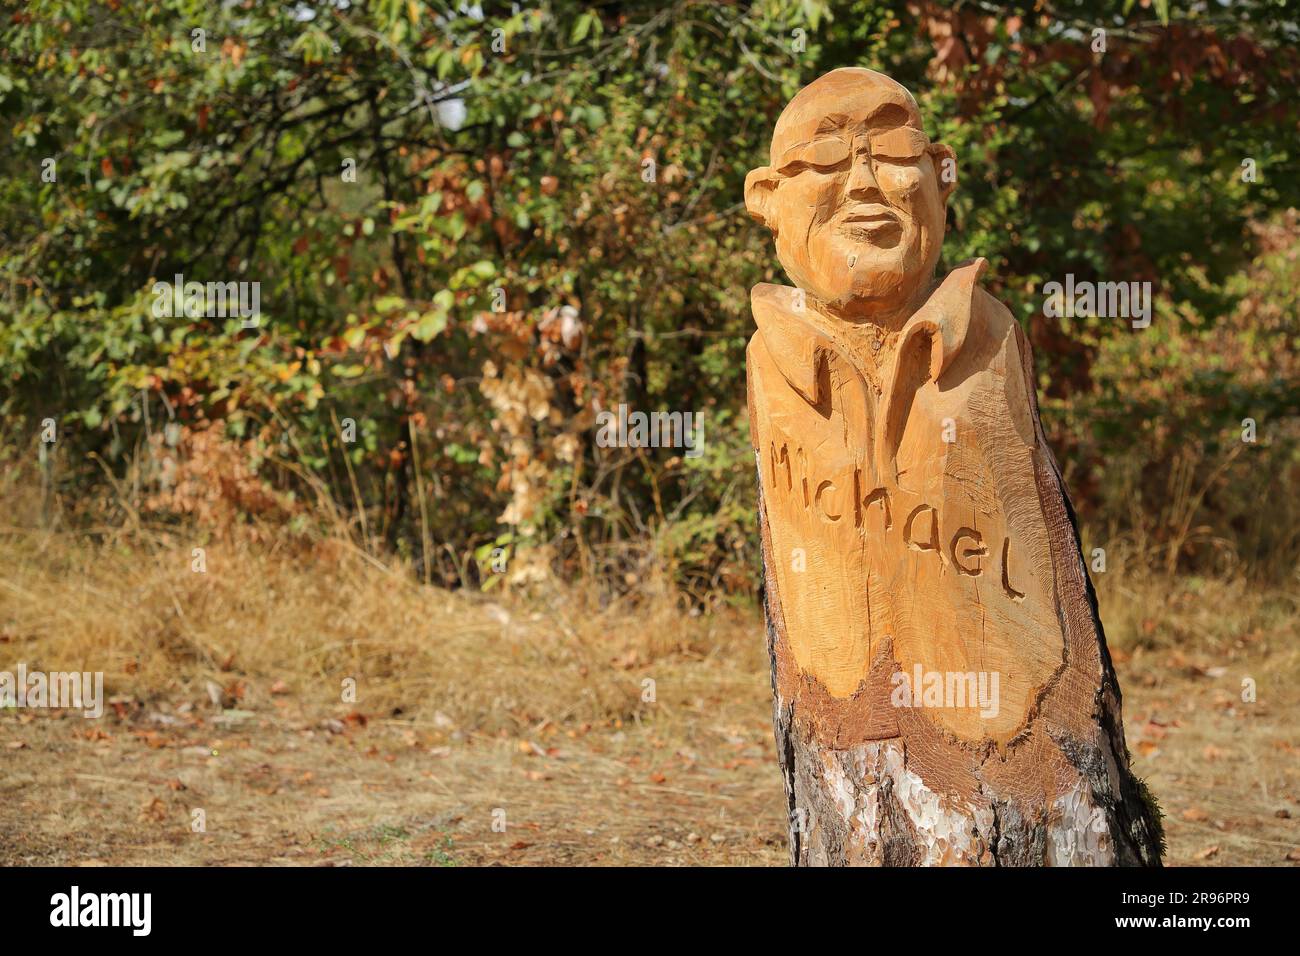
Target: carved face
{"points": [[853, 193]]}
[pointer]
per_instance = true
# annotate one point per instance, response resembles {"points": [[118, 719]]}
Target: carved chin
{"points": [[878, 279], [844, 272]]}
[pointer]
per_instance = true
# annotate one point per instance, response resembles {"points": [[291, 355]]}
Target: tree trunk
{"points": [[944, 695], [943, 690]]}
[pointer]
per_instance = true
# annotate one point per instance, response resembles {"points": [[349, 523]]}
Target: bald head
{"points": [[852, 99]]}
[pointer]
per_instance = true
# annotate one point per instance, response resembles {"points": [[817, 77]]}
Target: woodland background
{"points": [[520, 169]]}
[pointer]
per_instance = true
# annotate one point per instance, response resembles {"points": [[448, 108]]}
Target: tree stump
{"points": [[943, 692]]}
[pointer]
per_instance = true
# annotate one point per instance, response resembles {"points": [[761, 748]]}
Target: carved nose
{"points": [[862, 184]]}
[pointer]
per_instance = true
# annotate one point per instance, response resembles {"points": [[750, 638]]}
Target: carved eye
{"points": [[822, 154], [902, 144]]}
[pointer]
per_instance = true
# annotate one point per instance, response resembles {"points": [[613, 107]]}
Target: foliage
{"points": [[501, 267]]}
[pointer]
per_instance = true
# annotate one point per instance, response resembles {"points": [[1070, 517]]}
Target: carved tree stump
{"points": [[943, 690]]}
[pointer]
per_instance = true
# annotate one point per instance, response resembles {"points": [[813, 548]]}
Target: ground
{"points": [[281, 792], [568, 736]]}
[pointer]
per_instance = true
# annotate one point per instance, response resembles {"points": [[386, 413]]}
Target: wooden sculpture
{"points": [[943, 690]]}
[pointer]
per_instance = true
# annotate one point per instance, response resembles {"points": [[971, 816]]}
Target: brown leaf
{"points": [[154, 810]]}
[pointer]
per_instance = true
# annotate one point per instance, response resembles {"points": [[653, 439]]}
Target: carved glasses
{"points": [[900, 145]]}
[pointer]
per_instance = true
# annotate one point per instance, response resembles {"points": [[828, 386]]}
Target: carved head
{"points": [[854, 195]]}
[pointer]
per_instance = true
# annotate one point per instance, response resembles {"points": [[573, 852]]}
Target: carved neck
{"points": [[880, 319], [870, 336]]}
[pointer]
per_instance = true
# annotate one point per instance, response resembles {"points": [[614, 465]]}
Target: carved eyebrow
{"points": [[887, 115]]}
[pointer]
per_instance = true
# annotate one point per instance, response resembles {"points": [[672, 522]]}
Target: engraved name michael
{"points": [[846, 497]]}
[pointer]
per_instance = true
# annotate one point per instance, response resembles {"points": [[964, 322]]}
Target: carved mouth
{"points": [[873, 212], [869, 222]]}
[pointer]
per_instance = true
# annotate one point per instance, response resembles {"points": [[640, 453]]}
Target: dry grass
{"points": [[228, 698], [311, 617]]}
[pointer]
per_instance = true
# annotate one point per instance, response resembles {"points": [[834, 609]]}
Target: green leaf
{"points": [[429, 325], [581, 27]]}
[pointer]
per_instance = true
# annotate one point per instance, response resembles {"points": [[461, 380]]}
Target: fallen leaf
{"points": [[154, 810]]}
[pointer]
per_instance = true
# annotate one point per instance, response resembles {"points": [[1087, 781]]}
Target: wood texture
{"points": [[943, 691]]}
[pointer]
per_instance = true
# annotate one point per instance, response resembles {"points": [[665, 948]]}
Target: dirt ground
{"points": [[279, 791], [284, 789]]}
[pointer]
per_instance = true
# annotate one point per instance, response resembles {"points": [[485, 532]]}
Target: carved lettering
{"points": [[821, 490], [784, 460], [882, 496], [977, 552], [803, 477], [933, 543], [1006, 577]]}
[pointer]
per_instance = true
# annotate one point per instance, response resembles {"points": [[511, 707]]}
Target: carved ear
{"points": [[760, 184], [945, 168]]}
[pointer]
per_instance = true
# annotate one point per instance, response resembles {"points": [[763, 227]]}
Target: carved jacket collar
{"points": [[799, 343]]}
